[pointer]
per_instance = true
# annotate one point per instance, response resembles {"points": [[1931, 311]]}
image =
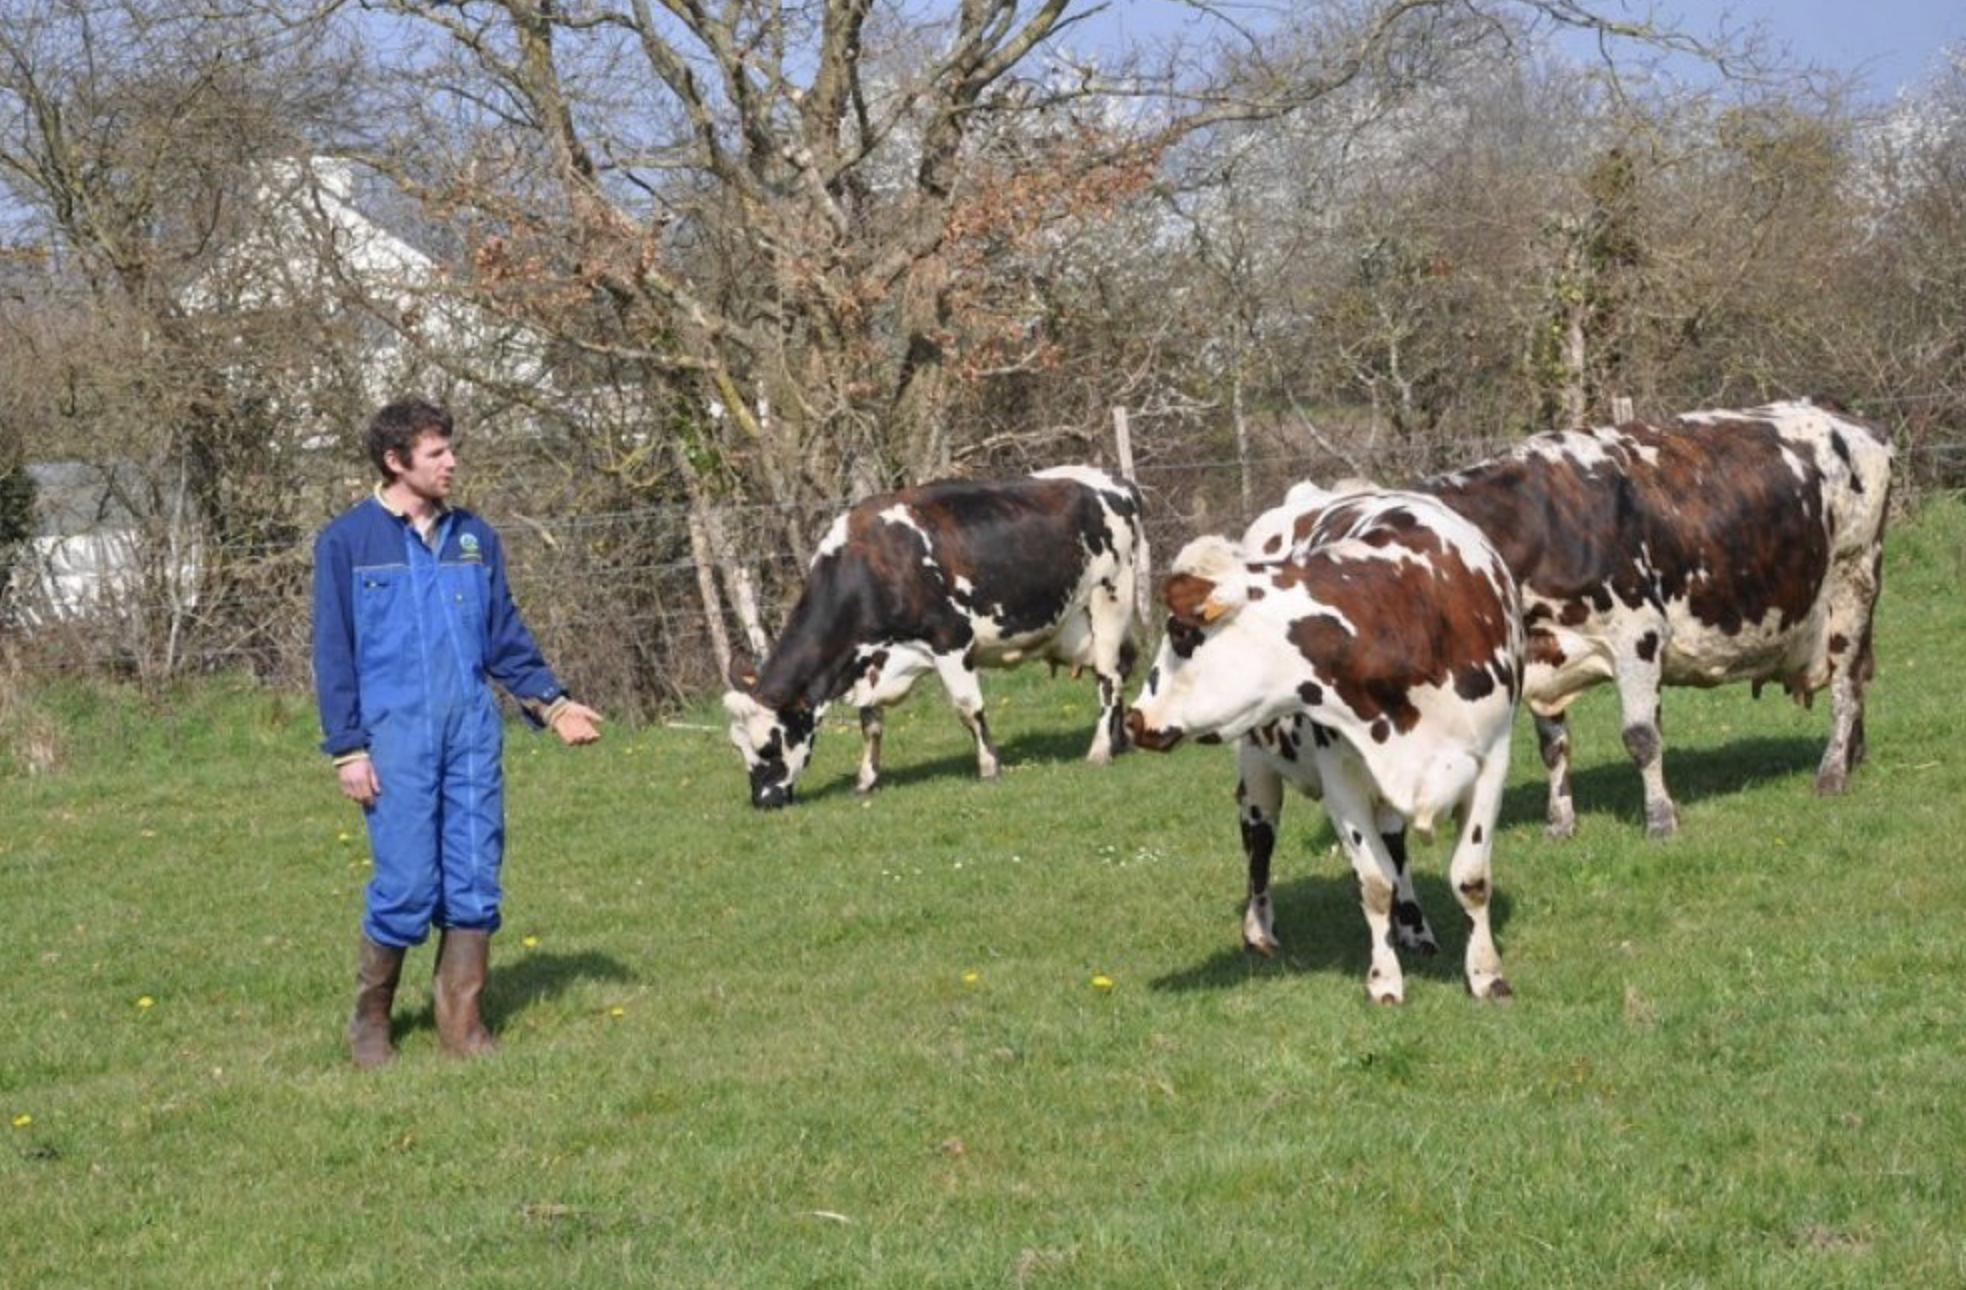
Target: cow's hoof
{"points": [[1264, 946], [1382, 991], [866, 788], [1496, 990], [1566, 828], [1661, 824], [1831, 783]]}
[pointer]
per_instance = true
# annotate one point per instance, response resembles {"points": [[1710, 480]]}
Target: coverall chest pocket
{"points": [[465, 587], [383, 614]]}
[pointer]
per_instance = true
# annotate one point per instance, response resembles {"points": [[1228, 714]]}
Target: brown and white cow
{"points": [[1719, 546], [947, 577], [1377, 665]]}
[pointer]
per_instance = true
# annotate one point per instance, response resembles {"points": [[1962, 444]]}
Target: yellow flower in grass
{"points": [[617, 1011], [146, 1002], [22, 1120], [1102, 982], [343, 837], [972, 977], [530, 942]]}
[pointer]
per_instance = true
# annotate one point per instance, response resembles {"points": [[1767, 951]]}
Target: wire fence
{"points": [[615, 597]]}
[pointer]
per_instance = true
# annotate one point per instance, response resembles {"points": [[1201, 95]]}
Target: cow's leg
{"points": [[958, 677], [1110, 619], [1638, 696], [1851, 666], [1259, 806], [1469, 872], [1553, 740], [871, 725], [1349, 804], [1409, 920]]}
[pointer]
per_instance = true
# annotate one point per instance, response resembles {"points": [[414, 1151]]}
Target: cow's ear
{"points": [[1185, 594], [743, 672], [1196, 601]]}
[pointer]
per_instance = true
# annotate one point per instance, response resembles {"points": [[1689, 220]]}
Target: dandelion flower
{"points": [[146, 1001], [972, 977], [617, 1012], [22, 1120], [530, 942], [343, 837], [1102, 982]]}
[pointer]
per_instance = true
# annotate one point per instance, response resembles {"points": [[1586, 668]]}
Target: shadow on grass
{"points": [[533, 978], [1692, 775], [1035, 748], [1322, 928]]}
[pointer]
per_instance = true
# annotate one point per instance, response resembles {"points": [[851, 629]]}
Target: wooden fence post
{"points": [[1143, 574]]}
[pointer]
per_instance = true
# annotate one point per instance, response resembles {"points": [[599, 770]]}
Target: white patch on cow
{"points": [[1578, 449], [900, 515], [835, 539], [904, 664]]}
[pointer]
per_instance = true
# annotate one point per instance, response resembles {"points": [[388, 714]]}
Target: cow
{"points": [[1719, 546], [1376, 663], [947, 577]]}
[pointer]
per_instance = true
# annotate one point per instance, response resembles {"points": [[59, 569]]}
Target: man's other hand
{"points": [[358, 780]]}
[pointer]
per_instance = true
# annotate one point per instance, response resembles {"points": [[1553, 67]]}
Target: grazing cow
{"points": [[1720, 546], [1377, 664], [948, 577]]}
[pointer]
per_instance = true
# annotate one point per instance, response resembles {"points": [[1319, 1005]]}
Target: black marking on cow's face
{"points": [[1648, 646], [1477, 835], [1311, 693], [771, 764], [1183, 638]]}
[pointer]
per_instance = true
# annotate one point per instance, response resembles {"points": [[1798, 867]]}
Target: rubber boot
{"points": [[378, 970], [463, 958]]}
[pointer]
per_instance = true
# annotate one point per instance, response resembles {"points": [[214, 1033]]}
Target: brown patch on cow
{"points": [[1256, 593], [1274, 544], [1376, 894], [1726, 524], [1543, 649], [1476, 890], [1406, 624], [1838, 642]]}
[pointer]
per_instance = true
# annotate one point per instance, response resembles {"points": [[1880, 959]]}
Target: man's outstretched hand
{"points": [[577, 724]]}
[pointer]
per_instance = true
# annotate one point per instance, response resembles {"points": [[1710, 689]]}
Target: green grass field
{"points": [[857, 1043]]}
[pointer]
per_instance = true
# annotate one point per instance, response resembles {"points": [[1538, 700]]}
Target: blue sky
{"points": [[1890, 43]]}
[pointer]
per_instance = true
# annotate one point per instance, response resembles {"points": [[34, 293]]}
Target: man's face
{"points": [[428, 471]]}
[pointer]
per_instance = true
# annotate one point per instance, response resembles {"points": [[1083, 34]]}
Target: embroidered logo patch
{"points": [[468, 545]]}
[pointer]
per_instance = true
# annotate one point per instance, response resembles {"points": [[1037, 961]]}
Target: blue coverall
{"points": [[406, 633]]}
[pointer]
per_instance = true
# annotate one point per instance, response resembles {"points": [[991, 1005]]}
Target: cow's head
{"points": [[775, 741], [1222, 670]]}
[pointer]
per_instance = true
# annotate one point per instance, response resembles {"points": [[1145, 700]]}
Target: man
{"points": [[412, 614]]}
